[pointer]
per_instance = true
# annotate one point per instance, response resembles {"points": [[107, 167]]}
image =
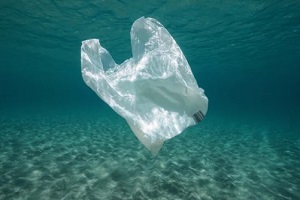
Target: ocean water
{"points": [[59, 140]]}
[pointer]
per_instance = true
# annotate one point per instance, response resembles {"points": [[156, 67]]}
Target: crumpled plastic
{"points": [[155, 90]]}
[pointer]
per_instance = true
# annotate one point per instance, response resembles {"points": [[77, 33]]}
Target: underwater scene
{"points": [[183, 100]]}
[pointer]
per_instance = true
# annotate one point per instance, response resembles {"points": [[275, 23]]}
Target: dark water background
{"points": [[244, 54]]}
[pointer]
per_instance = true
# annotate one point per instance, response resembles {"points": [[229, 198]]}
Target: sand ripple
{"points": [[71, 157]]}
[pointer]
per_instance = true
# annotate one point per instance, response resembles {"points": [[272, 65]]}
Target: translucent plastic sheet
{"points": [[155, 90]]}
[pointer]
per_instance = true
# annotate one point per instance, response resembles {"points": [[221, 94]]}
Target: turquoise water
{"points": [[58, 140]]}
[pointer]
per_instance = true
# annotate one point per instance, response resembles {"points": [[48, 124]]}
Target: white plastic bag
{"points": [[155, 90]]}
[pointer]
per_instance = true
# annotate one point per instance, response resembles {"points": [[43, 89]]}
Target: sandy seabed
{"points": [[92, 157]]}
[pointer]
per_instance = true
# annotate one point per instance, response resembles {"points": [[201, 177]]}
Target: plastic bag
{"points": [[155, 90]]}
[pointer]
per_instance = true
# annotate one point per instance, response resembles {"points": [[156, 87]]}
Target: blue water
{"points": [[58, 140]]}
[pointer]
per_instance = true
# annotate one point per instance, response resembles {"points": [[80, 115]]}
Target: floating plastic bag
{"points": [[155, 90]]}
